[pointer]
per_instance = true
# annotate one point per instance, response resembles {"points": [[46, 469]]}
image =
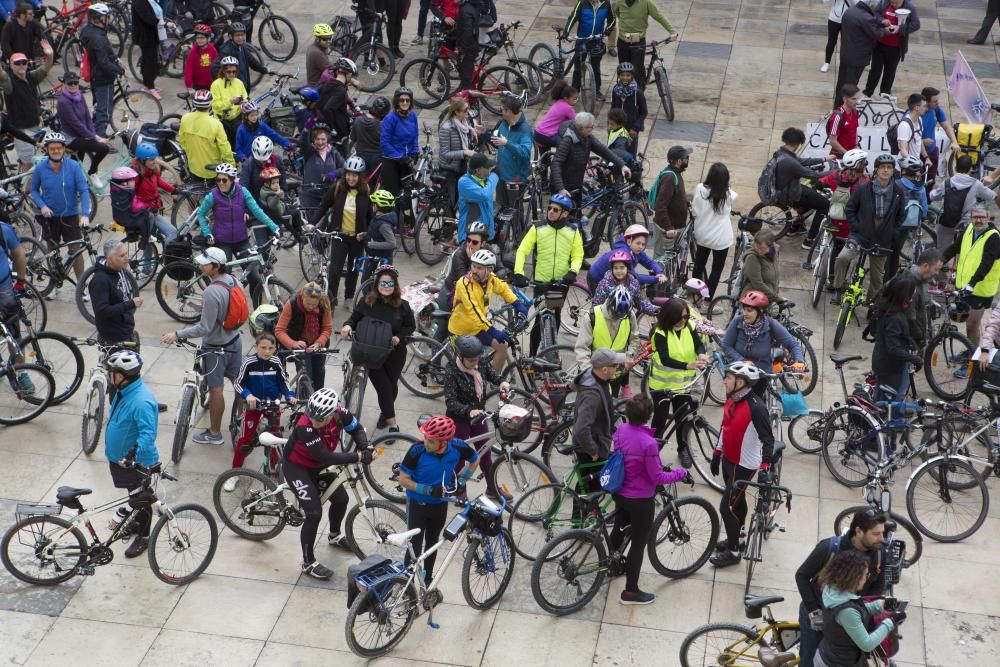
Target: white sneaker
{"points": [[825, 67], [53, 295], [230, 485], [96, 181]]}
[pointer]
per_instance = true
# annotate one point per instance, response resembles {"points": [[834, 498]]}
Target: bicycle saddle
{"points": [[185, 95], [543, 366], [591, 499], [771, 657], [68, 494], [753, 605], [841, 359]]}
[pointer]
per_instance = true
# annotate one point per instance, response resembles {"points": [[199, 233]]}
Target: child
{"points": [[262, 377], [366, 132], [620, 273], [271, 197], [381, 240], [148, 186], [564, 96], [634, 240], [228, 93], [629, 97], [843, 182], [252, 128], [198, 65], [618, 136], [126, 209]]}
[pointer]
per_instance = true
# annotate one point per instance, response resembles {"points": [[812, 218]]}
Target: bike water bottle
{"points": [[120, 515]]}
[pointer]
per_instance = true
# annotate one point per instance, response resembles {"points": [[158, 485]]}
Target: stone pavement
{"points": [[744, 71]]}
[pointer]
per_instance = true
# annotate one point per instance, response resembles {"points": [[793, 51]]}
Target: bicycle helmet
{"points": [[355, 164], [402, 90], [562, 200], [54, 138], [249, 107], [478, 228], [126, 362], [263, 319], [744, 370], [146, 151], [387, 268], [380, 106], [100, 9], [959, 311], [620, 301], [309, 93], [236, 27], [346, 65], [439, 428], [262, 148], [268, 173], [754, 299], [626, 67], [884, 158], [468, 347], [202, 29], [854, 158], [123, 174], [229, 61], [322, 30], [620, 255], [323, 403], [383, 199], [911, 165], [226, 169], [635, 230], [202, 99], [484, 257], [696, 285]]}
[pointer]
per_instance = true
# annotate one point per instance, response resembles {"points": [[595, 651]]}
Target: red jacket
{"points": [[448, 8], [148, 186], [198, 66]]}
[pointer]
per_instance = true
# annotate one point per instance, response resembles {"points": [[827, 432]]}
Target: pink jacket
{"points": [[558, 113], [643, 469]]}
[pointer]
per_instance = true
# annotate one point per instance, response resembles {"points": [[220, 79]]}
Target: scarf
{"points": [[76, 97], [883, 196], [310, 328], [753, 332], [476, 376], [623, 90], [464, 132]]}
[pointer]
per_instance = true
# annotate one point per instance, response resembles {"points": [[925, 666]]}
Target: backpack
{"points": [[953, 205], [372, 342], [651, 197], [892, 135], [85, 73], [612, 475], [767, 183], [838, 203], [912, 210], [237, 312]]}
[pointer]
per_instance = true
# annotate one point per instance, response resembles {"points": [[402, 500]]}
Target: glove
{"points": [[365, 456], [497, 335], [688, 479], [20, 290], [898, 617], [521, 307], [330, 176], [519, 281], [464, 476], [437, 491], [569, 278], [890, 603], [716, 463]]}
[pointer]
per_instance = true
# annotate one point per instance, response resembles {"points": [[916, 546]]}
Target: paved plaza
{"points": [[744, 71]]}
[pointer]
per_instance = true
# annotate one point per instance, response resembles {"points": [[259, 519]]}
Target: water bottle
{"points": [[120, 515]]}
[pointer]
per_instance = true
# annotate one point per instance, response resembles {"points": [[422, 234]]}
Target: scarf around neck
{"points": [[626, 90], [310, 326], [475, 374], [464, 132], [753, 332]]}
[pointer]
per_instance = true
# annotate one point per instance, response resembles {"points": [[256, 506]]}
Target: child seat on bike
{"points": [[126, 209], [971, 138]]}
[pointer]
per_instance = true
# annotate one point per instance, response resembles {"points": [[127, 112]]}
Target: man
{"points": [[842, 128], [113, 297], [891, 48], [59, 189], [909, 133], [335, 103], [146, 25], [214, 336], [132, 424], [670, 205], [476, 191], [611, 325], [591, 20], [593, 412], [934, 116], [23, 33], [958, 195], [317, 53], [867, 535], [461, 262], [248, 59], [467, 41], [558, 247], [513, 142], [977, 272], [20, 88], [992, 16], [632, 20], [875, 212], [859, 28], [203, 137], [104, 65], [925, 270], [788, 173]]}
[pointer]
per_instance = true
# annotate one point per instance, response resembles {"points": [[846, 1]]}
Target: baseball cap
{"points": [[605, 357], [70, 77], [211, 256], [479, 160], [18, 57], [678, 152]]}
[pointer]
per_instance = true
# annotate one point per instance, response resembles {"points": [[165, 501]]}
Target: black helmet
{"points": [[468, 347], [380, 106], [402, 90], [236, 26], [884, 158]]}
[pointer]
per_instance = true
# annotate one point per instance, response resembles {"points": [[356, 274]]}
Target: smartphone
{"points": [[901, 605]]}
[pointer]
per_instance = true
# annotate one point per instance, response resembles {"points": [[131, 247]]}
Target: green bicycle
{"points": [[855, 292]]}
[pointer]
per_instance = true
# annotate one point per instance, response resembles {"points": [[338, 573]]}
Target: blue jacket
{"points": [[245, 137], [133, 421], [591, 20], [514, 159], [10, 242], [64, 192], [264, 378], [603, 265], [400, 136], [473, 194], [431, 469]]}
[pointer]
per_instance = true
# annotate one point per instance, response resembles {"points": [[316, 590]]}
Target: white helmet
{"points": [[742, 369], [126, 362], [227, 169], [54, 138], [100, 8], [854, 158], [322, 403], [226, 60], [262, 148], [635, 230], [697, 285], [355, 164], [484, 257]]}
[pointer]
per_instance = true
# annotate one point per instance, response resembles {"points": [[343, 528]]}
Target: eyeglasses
{"points": [[557, 209], [72, 83], [222, 179], [405, 99], [387, 283], [229, 71], [473, 242], [981, 218]]}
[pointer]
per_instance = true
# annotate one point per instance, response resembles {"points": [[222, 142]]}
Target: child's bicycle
{"points": [[270, 422], [855, 293], [735, 645]]}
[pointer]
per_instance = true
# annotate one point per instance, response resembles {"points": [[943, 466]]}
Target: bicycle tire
{"points": [[717, 651], [940, 471], [93, 417], [275, 291], [540, 421], [540, 515], [255, 76], [430, 232], [775, 215], [426, 362], [798, 431], [583, 545], [34, 307], [357, 405], [272, 28], [939, 369], [702, 439], [185, 412], [60, 356], [182, 543], [501, 80], [427, 77], [362, 292], [39, 272], [727, 306], [312, 257], [69, 569], [588, 84], [383, 472], [551, 456], [142, 270], [754, 548], [376, 67], [374, 529], [544, 57], [532, 75], [188, 306], [842, 320], [518, 474], [672, 530], [133, 108], [715, 390], [395, 593], [663, 88], [811, 376], [576, 305], [39, 400], [624, 216], [843, 459], [174, 65], [916, 540], [820, 271], [236, 410], [485, 556], [184, 207]]}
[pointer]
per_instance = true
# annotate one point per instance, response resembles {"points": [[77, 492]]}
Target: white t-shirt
{"points": [[909, 132], [838, 8]]}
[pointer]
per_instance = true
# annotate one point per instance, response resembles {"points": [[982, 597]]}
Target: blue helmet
{"points": [[562, 200], [309, 93], [620, 301], [146, 152]]}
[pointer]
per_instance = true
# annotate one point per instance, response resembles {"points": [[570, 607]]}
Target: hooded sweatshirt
{"points": [[592, 416], [643, 469], [111, 297], [976, 191], [74, 118]]}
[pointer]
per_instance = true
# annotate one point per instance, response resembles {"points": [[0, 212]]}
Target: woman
{"points": [[78, 126], [147, 19], [894, 347], [306, 323], [350, 211], [760, 266], [678, 354], [564, 97], [456, 141], [837, 9], [228, 93], [752, 335], [634, 502], [713, 230], [399, 140], [846, 638], [320, 164], [386, 303]]}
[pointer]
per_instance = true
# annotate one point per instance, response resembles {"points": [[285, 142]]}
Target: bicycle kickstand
{"points": [[430, 620]]}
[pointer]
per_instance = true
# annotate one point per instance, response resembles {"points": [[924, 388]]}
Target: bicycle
{"points": [[814, 422], [555, 64], [948, 349], [95, 393], [48, 270], [181, 544], [171, 54], [56, 353], [392, 596], [660, 76], [193, 386], [301, 383], [270, 422], [133, 106], [489, 84], [355, 382], [735, 645], [275, 34], [27, 389], [855, 293], [746, 227], [360, 40]]}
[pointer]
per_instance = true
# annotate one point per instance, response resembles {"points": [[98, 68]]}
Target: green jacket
{"points": [[557, 251], [635, 17]]}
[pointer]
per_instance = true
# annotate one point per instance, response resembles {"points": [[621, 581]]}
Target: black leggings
{"points": [[637, 512], [681, 405], [545, 141], [718, 262], [344, 251], [394, 10], [386, 380], [393, 172], [92, 147], [832, 33], [733, 506], [430, 520], [305, 482], [149, 64]]}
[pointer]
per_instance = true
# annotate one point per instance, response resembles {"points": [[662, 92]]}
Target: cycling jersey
{"points": [[312, 447], [435, 469], [558, 250], [746, 438]]}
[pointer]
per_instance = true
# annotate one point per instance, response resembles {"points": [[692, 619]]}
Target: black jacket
{"points": [[861, 214], [144, 22], [570, 161], [333, 202], [333, 101], [894, 347], [104, 65], [633, 105], [805, 576], [460, 265], [860, 27], [460, 389], [467, 26], [111, 294], [400, 319], [787, 172]]}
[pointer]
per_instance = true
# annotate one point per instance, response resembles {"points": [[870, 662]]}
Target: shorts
{"points": [[485, 338], [8, 311], [978, 302], [62, 229], [24, 150], [226, 365]]}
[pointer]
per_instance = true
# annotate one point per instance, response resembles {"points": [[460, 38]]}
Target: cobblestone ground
{"points": [[744, 71]]}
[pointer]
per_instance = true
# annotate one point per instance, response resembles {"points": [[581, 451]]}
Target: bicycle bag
{"points": [[85, 66], [237, 312], [892, 135], [953, 205], [612, 475], [655, 188], [767, 182], [485, 517], [838, 203], [368, 575], [179, 250], [969, 137], [372, 342], [793, 403]]}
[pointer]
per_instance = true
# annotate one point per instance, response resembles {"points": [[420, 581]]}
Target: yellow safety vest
{"points": [[970, 257], [681, 345], [602, 335]]}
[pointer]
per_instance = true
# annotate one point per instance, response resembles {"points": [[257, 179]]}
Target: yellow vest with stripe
{"points": [[681, 346], [602, 335], [970, 256]]}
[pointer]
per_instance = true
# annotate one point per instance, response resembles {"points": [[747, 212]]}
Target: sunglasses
{"points": [[20, 63], [557, 209], [72, 83], [471, 242], [387, 283], [313, 290], [223, 179], [405, 99]]}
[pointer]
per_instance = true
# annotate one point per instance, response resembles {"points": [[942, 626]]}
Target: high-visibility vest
{"points": [[602, 335], [970, 256], [681, 346]]}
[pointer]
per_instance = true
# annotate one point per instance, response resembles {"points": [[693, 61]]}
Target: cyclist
{"points": [[76, 123], [619, 274], [842, 183], [399, 140], [262, 152], [312, 447], [320, 166], [573, 152], [461, 262], [335, 103], [306, 323], [476, 192], [148, 184], [23, 117], [467, 40], [912, 180], [317, 53], [628, 96], [380, 239], [366, 132], [252, 128], [470, 313], [610, 325], [633, 21], [512, 140], [199, 61], [634, 240], [745, 447], [593, 412], [203, 138], [246, 58], [228, 93], [752, 336], [593, 19], [788, 172], [104, 64], [558, 247], [13, 273], [760, 266], [426, 471], [307, 113]]}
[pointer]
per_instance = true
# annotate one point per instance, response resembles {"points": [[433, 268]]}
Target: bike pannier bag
{"points": [[237, 312], [282, 120], [912, 211], [612, 475], [952, 205], [179, 250], [372, 342], [970, 139]]}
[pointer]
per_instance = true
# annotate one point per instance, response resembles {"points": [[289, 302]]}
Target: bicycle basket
{"points": [[485, 517], [894, 557], [24, 510], [371, 576], [514, 422], [496, 37], [282, 119], [750, 225]]}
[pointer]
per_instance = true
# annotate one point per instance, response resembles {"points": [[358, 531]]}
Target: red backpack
{"points": [[237, 312]]}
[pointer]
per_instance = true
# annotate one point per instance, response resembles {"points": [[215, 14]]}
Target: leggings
{"points": [[344, 251], [545, 141], [681, 405], [466, 430], [430, 520], [393, 172], [306, 483], [637, 512], [386, 380], [315, 368], [718, 262], [733, 506], [149, 64], [394, 10], [832, 32], [92, 147]]}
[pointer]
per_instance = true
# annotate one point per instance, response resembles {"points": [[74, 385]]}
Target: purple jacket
{"points": [[73, 116], [230, 216], [643, 470]]}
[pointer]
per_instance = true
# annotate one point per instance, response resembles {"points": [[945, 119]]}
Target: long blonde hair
{"points": [[457, 106], [317, 292]]}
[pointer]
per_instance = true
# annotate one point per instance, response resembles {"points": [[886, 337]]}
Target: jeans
{"points": [[425, 8], [885, 60], [164, 229], [808, 639], [103, 97]]}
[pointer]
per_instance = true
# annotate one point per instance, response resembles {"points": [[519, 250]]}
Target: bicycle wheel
{"points": [[723, 644], [521, 398], [428, 81], [133, 108], [378, 620], [576, 305], [433, 229], [180, 550], [185, 207], [93, 415], [142, 263], [850, 432], [236, 409], [564, 584], [426, 362], [911, 536], [367, 527], [183, 420], [806, 431], [383, 472], [754, 548], [26, 390], [277, 38], [544, 57], [702, 439], [588, 84], [723, 308], [43, 550], [625, 215], [177, 51], [499, 81], [808, 381], [72, 55], [946, 354], [312, 257], [362, 292], [956, 438], [376, 67], [663, 89], [777, 215], [59, 356], [274, 291], [41, 270], [355, 398], [540, 515], [715, 390], [820, 270], [515, 474], [683, 536], [34, 307], [25, 225], [179, 289], [947, 499], [842, 319], [534, 77], [487, 569]]}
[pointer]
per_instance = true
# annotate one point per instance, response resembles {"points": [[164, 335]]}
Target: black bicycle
{"points": [[359, 37]]}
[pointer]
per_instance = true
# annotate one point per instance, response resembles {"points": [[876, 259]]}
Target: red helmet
{"points": [[267, 173], [620, 255], [754, 299], [439, 428], [202, 29]]}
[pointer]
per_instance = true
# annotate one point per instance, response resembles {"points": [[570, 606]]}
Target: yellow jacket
{"points": [[222, 94], [470, 309], [557, 251], [203, 138]]}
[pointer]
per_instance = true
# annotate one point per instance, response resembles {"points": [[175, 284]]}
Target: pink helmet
{"points": [[123, 174], [620, 255], [754, 299], [696, 285]]}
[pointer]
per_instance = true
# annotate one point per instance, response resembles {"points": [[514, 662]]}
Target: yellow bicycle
{"points": [[735, 645]]}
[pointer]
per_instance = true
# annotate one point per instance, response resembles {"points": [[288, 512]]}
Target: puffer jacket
{"points": [[460, 389], [572, 154], [450, 155]]}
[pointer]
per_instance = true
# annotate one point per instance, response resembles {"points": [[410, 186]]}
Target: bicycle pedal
{"points": [[85, 570]]}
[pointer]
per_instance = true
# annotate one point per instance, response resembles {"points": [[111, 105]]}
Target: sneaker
{"points": [[96, 181], [137, 548], [338, 541], [636, 597], [417, 40], [835, 299], [398, 52], [230, 484], [161, 407], [807, 244], [206, 437], [381, 423], [393, 429], [25, 385], [154, 92], [961, 373], [722, 545], [613, 52], [824, 68], [796, 230], [724, 559], [317, 570], [53, 295], [684, 454]]}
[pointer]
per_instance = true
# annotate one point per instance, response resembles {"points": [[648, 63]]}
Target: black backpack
{"points": [[892, 135], [372, 342], [952, 205]]}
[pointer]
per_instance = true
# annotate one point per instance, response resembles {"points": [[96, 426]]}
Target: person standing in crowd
{"points": [[20, 90], [335, 103], [934, 116], [203, 137], [630, 98], [461, 264], [200, 61], [711, 205], [246, 59], [395, 11], [78, 126], [891, 48], [909, 134], [253, 127], [670, 206], [992, 16], [842, 183], [572, 154], [861, 26], [842, 128], [752, 336], [925, 270], [512, 140], [104, 64], [23, 34], [634, 240], [306, 323], [593, 412], [476, 192], [467, 40], [620, 272], [321, 163], [422, 12], [318, 53], [113, 298], [894, 352], [958, 195], [760, 266], [610, 325], [366, 132], [591, 18], [400, 141], [564, 98], [457, 139], [228, 94], [146, 35], [632, 20], [837, 9]]}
